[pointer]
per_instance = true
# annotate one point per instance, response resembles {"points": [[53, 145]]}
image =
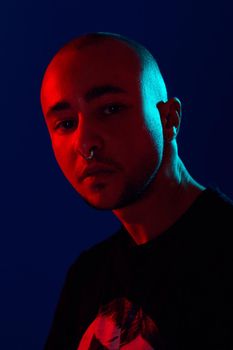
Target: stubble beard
{"points": [[132, 191]]}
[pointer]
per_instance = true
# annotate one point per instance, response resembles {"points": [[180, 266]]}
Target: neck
{"points": [[165, 201]]}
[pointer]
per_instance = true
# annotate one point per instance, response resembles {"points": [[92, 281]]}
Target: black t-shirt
{"points": [[172, 292]]}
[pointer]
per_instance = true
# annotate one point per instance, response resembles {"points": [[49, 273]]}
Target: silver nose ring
{"points": [[90, 156]]}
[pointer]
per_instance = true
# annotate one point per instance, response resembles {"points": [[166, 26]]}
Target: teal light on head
{"points": [[153, 90]]}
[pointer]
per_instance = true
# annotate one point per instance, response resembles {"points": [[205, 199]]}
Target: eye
{"points": [[112, 108], [66, 125]]}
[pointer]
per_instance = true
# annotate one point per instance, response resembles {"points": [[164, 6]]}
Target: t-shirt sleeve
{"points": [[61, 334]]}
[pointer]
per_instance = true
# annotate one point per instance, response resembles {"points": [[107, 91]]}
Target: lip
{"points": [[95, 171]]}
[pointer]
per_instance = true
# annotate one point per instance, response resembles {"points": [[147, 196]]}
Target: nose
{"points": [[87, 137]]}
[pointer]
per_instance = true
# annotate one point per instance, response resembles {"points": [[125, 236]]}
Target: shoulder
{"points": [[214, 218], [219, 197], [217, 207], [216, 225]]}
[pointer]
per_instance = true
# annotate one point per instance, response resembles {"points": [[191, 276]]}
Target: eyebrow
{"points": [[98, 91], [59, 106], [90, 95]]}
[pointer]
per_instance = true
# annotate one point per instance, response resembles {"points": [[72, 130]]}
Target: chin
{"points": [[100, 200], [100, 205], [100, 195], [103, 197], [110, 203]]}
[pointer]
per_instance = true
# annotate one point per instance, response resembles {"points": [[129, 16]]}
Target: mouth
{"points": [[98, 175]]}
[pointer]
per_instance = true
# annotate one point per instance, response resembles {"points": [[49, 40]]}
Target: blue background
{"points": [[44, 223]]}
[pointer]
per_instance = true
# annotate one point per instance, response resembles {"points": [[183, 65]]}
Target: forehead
{"points": [[75, 71]]}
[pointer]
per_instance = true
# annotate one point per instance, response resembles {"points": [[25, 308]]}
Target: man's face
{"points": [[117, 125]]}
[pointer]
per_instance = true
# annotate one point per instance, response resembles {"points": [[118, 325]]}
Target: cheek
{"points": [[140, 154], [143, 142], [64, 156], [147, 153], [152, 141]]}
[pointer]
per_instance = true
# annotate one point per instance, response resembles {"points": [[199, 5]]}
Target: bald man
{"points": [[113, 131]]}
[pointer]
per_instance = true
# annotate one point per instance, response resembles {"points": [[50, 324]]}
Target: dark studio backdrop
{"points": [[44, 223]]}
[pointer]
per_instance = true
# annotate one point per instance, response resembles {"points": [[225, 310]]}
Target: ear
{"points": [[170, 114]]}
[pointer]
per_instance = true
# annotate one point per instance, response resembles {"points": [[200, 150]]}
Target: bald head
{"points": [[150, 75]]}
